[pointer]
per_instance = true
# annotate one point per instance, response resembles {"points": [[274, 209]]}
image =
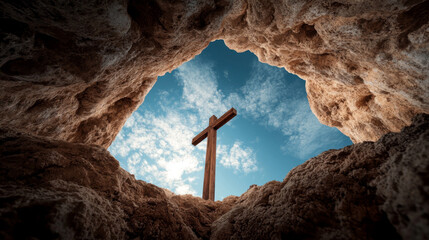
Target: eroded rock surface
{"points": [[60, 190], [365, 62], [55, 189], [71, 72], [365, 191], [75, 71]]}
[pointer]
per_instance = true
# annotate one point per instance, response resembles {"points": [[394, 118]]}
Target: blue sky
{"points": [[273, 132]]}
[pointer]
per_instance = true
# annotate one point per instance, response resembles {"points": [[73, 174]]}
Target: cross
{"points": [[210, 133]]}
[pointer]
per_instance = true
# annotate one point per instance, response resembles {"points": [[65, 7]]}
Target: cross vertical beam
{"points": [[210, 167], [210, 171]]}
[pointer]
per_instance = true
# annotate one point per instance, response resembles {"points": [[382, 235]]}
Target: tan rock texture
{"points": [[75, 70], [71, 72], [52, 189], [365, 191], [59, 190]]}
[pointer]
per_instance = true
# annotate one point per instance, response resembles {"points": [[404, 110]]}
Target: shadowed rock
{"points": [[72, 72], [54, 189]]}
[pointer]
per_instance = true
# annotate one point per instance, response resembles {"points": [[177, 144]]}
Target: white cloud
{"points": [[158, 148], [133, 162], [119, 147], [200, 90], [237, 157], [185, 189], [268, 98], [262, 93], [306, 134]]}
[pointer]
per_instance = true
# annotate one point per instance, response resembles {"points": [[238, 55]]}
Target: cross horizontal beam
{"points": [[201, 136], [225, 118], [216, 125]]}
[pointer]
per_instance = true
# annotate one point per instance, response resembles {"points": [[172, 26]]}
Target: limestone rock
{"points": [[365, 62], [364, 191], [55, 189], [59, 190], [72, 72], [75, 71]]}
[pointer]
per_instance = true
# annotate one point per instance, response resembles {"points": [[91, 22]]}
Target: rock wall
{"points": [[364, 191], [75, 71], [58, 190], [71, 73], [365, 62], [52, 189]]}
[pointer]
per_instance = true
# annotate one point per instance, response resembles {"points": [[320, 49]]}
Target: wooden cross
{"points": [[210, 133]]}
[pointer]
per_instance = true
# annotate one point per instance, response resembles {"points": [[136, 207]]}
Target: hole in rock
{"points": [[273, 132]]}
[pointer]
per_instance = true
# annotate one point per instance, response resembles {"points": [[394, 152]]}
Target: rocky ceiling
{"points": [[76, 70], [72, 72]]}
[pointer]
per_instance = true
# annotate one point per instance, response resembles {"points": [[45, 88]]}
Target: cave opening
{"points": [[273, 132], [74, 72]]}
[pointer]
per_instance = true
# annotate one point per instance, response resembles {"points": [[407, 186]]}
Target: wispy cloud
{"points": [[156, 144], [200, 90], [272, 100], [225, 74], [238, 157], [156, 148]]}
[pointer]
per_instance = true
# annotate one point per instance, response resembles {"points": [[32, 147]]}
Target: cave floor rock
{"points": [[52, 189]]}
